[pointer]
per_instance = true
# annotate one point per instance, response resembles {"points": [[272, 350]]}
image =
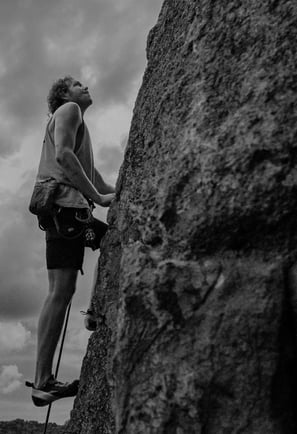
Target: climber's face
{"points": [[78, 93]]}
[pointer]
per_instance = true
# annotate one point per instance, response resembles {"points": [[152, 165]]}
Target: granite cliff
{"points": [[196, 333]]}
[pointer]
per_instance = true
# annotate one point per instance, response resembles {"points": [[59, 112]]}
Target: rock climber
{"points": [[66, 156]]}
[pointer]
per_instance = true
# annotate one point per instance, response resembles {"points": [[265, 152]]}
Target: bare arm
{"points": [[67, 122], [101, 185]]}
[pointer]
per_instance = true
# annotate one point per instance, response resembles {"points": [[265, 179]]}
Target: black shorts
{"points": [[64, 252]]}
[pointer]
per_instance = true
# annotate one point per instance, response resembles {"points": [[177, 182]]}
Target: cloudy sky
{"points": [[101, 42]]}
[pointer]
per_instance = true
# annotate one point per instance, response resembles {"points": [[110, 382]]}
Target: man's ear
{"points": [[65, 95]]}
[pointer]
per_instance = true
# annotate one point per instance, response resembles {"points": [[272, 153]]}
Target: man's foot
{"points": [[52, 391], [90, 320]]}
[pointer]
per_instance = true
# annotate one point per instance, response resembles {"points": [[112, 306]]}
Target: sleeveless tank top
{"points": [[67, 195]]}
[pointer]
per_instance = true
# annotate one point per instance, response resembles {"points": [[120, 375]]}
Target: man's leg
{"points": [[90, 320], [100, 230], [95, 278], [61, 289]]}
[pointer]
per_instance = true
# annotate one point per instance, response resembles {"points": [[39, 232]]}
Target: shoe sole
{"points": [[41, 398], [39, 402]]}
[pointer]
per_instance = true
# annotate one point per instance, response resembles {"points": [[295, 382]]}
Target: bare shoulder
{"points": [[68, 113]]}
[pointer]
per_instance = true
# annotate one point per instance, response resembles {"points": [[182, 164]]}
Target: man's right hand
{"points": [[106, 199]]}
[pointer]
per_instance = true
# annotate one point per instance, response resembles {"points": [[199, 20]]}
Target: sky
{"points": [[102, 43]]}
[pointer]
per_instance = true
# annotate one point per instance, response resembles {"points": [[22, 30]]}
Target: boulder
{"points": [[196, 333]]}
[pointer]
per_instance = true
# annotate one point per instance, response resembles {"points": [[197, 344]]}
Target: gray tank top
{"points": [[67, 194]]}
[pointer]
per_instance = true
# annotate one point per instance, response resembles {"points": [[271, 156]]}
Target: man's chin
{"points": [[90, 101]]}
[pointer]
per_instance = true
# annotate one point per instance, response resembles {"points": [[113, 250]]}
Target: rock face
{"points": [[197, 335]]}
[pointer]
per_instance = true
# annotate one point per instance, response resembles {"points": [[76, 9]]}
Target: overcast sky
{"points": [[102, 43]]}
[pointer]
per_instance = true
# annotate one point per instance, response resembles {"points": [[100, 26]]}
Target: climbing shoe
{"points": [[52, 391], [90, 320]]}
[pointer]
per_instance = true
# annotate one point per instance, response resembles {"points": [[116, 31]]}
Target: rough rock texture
{"points": [[198, 336]]}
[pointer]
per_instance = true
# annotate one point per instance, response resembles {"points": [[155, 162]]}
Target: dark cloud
{"points": [[42, 40], [22, 277]]}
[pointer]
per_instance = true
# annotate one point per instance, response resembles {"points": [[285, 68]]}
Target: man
{"points": [[66, 156]]}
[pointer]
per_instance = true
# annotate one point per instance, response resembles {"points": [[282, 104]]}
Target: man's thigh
{"points": [[65, 247], [62, 282], [65, 254]]}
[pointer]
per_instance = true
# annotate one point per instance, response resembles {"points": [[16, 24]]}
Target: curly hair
{"points": [[55, 97]]}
